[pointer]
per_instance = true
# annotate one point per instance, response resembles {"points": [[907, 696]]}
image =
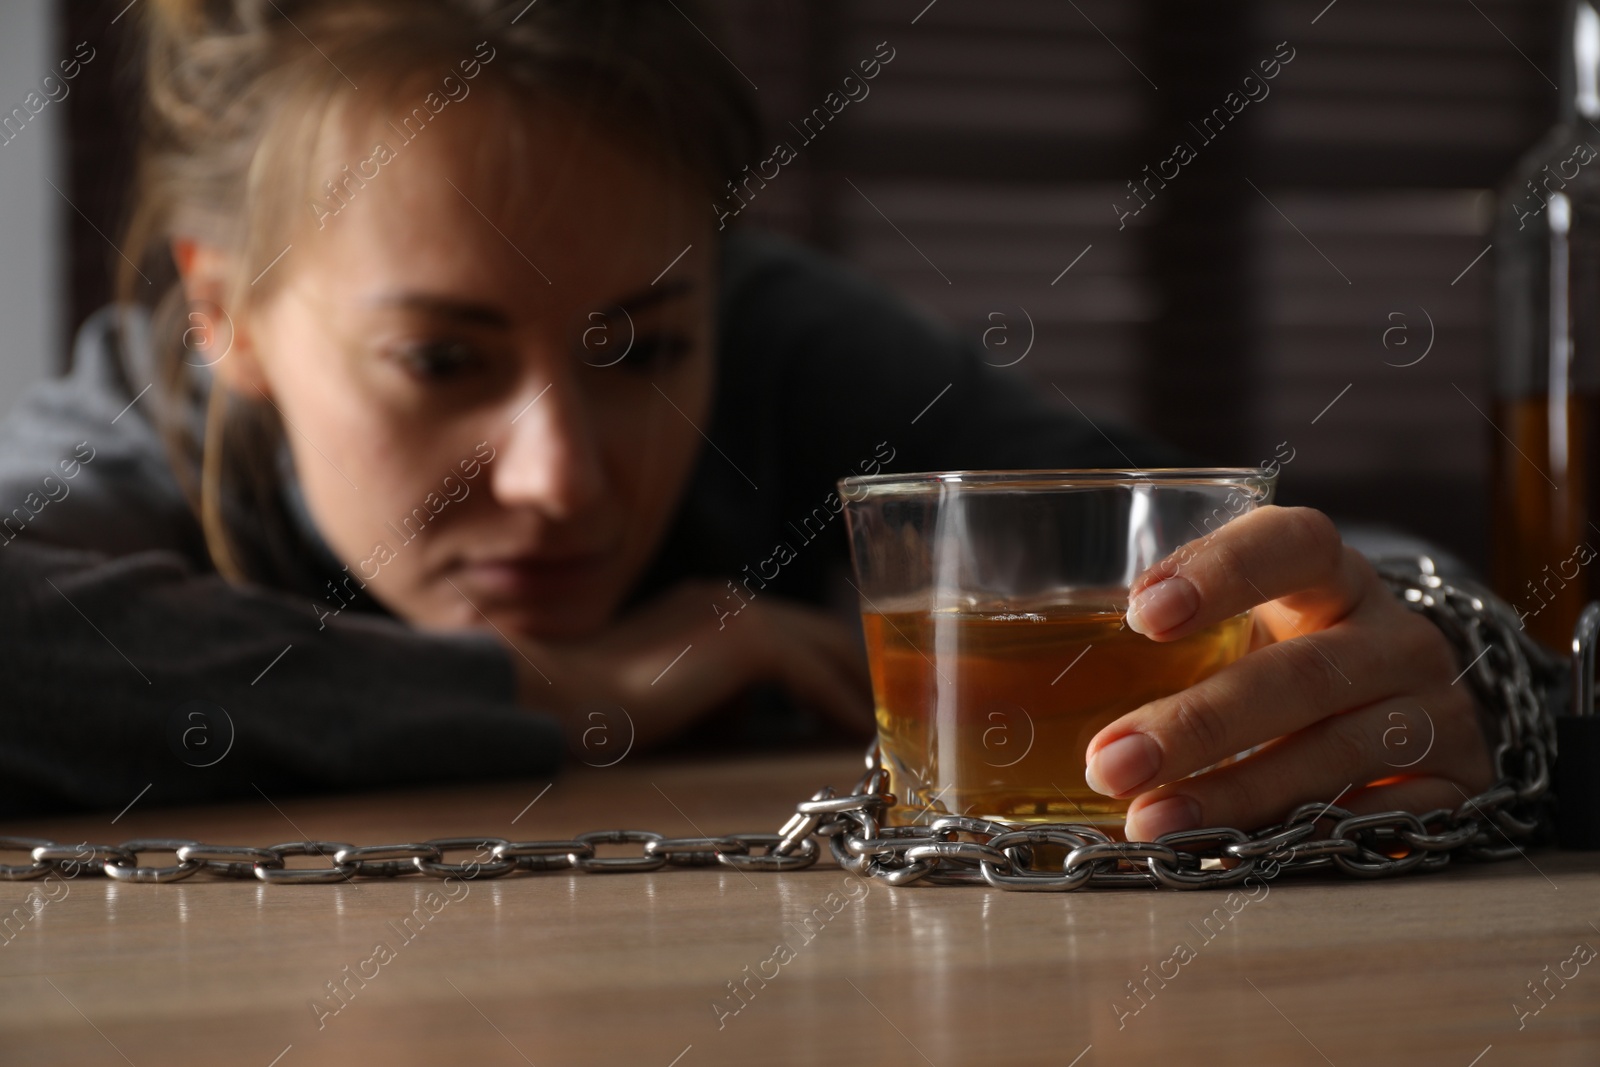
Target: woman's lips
{"points": [[533, 577]]}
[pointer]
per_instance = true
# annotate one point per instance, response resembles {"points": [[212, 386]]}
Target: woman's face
{"points": [[492, 391]]}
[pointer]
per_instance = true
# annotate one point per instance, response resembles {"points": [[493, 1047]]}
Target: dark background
{"points": [[1228, 315]]}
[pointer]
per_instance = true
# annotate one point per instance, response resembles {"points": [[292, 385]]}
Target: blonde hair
{"points": [[236, 91]]}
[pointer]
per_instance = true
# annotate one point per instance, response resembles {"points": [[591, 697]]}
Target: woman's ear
{"points": [[216, 337]]}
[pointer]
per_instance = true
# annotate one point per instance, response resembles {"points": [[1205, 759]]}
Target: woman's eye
{"points": [[438, 360], [655, 351]]}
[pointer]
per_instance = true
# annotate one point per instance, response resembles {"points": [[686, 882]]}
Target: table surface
{"points": [[572, 968]]}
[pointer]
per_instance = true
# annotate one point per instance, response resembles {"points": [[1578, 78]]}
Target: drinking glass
{"points": [[994, 604]]}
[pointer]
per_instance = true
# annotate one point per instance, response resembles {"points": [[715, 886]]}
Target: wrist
{"points": [[1516, 682]]}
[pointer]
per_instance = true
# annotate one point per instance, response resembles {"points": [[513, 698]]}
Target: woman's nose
{"points": [[550, 460]]}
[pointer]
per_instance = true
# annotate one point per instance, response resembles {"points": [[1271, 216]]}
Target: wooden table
{"points": [[568, 968]]}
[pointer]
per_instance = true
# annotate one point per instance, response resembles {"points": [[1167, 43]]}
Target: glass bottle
{"points": [[1546, 496]]}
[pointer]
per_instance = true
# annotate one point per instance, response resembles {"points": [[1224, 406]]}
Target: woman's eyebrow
{"points": [[654, 294], [448, 308]]}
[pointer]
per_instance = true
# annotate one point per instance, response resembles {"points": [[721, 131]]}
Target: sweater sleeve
{"points": [[129, 663], [135, 671]]}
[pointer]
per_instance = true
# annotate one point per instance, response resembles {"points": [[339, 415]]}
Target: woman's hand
{"points": [[673, 660], [1360, 697]]}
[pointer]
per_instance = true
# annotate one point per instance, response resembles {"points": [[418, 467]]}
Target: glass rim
{"points": [[1058, 478]]}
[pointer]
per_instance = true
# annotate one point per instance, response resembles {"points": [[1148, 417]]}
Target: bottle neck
{"points": [[1580, 62]]}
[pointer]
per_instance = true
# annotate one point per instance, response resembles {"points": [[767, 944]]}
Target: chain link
{"points": [[950, 850], [1507, 670]]}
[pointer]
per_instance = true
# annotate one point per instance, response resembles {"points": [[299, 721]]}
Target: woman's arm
{"points": [[107, 660]]}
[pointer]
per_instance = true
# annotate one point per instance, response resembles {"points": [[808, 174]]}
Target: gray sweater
{"points": [[129, 662]]}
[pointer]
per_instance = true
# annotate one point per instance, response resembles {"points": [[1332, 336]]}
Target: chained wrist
{"points": [[1517, 681]]}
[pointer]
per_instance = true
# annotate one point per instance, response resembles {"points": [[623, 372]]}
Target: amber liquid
{"points": [[989, 714], [1543, 538]]}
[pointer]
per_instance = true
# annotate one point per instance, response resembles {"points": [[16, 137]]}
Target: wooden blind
{"points": [[1257, 287]]}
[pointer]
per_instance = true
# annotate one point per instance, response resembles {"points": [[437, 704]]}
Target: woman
{"points": [[465, 410]]}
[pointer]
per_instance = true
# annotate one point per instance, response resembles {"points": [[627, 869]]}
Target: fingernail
{"points": [[1158, 608], [1122, 765], [1168, 816]]}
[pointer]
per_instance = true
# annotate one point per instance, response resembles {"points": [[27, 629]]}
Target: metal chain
{"points": [[1506, 668]]}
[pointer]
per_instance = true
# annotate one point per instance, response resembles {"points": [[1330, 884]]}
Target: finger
{"points": [[1267, 693], [680, 655], [667, 688], [837, 683], [1325, 763], [839, 642], [817, 683], [689, 606], [814, 656], [671, 658], [1293, 555], [783, 647]]}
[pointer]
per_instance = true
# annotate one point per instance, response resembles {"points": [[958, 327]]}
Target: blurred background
{"points": [[1283, 288]]}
